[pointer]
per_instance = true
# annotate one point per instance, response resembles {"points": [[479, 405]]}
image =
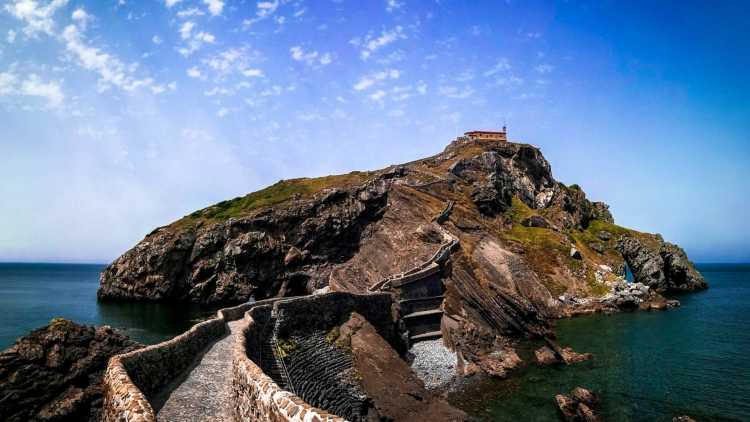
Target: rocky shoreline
{"points": [[55, 372]]}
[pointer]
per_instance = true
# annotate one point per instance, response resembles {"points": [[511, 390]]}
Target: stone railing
{"points": [[258, 398], [132, 379]]}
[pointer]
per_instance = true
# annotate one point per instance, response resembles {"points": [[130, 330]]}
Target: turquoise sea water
{"points": [[32, 294], [647, 366]]}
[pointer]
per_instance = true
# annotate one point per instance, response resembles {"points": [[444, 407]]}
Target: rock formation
{"points": [[54, 373], [660, 265], [524, 240], [579, 406]]}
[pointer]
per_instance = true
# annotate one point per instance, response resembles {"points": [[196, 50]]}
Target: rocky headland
{"points": [[531, 248], [479, 247]]}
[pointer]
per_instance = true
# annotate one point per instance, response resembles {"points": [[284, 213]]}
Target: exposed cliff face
{"points": [[524, 239], [55, 372]]}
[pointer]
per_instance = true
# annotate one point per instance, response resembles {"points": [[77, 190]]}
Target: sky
{"points": [[120, 116]]}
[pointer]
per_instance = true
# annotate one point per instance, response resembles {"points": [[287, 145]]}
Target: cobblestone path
{"points": [[205, 394]]}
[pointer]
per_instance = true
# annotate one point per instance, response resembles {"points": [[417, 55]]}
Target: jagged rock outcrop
{"points": [[661, 266], [55, 372]]}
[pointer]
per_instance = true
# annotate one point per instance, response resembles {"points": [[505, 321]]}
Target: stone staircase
{"points": [[421, 298]]}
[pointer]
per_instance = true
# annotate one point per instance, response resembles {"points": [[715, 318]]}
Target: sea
{"points": [[647, 366]]}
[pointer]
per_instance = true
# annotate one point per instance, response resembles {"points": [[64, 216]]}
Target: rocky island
{"points": [[331, 282]]}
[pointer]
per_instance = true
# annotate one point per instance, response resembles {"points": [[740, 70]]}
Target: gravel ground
{"points": [[433, 363]]}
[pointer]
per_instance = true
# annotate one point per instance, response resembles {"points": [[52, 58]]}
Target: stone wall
{"points": [[257, 397], [322, 312], [132, 379]]}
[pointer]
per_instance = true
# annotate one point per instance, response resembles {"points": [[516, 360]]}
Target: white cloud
{"points": [[34, 87], [371, 44], [205, 37], [193, 11], [156, 39], [193, 72], [368, 81], [110, 69], [267, 8], [252, 73], [421, 87], [214, 6], [11, 38], [544, 68], [377, 95], [81, 17], [7, 83], [234, 61], [310, 57], [451, 91], [186, 29], [391, 5], [171, 3], [38, 18], [503, 65], [193, 40], [508, 81], [533, 35], [222, 112]]}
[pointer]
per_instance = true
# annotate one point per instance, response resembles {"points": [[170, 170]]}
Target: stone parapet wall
{"points": [[132, 379], [258, 398]]}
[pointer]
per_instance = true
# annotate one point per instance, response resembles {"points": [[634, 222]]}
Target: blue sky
{"points": [[120, 116]]}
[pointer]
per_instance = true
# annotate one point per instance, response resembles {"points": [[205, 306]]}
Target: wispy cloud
{"points": [[311, 58], [393, 5], [451, 91], [370, 80], [371, 43], [32, 86], [502, 65], [544, 68]]}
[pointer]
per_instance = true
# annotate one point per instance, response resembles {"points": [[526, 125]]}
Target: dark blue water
{"points": [[32, 294], [647, 366]]}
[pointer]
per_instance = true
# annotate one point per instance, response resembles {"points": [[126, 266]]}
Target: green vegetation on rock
{"points": [[277, 193]]}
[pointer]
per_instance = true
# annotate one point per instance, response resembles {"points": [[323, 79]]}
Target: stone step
{"points": [[408, 306], [426, 336], [423, 313]]}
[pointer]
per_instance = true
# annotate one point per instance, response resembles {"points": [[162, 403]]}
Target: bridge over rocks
{"points": [[277, 359]]}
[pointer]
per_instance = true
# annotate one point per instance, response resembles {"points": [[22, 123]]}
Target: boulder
{"points": [[597, 247], [683, 419], [567, 407], [536, 221], [578, 406], [583, 395], [604, 235], [546, 356]]}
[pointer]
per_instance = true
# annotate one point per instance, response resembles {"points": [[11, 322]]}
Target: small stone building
{"points": [[486, 135]]}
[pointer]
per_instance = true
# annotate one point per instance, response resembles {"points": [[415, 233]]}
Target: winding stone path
{"points": [[205, 393]]}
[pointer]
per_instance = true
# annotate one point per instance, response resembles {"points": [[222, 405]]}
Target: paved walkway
{"points": [[205, 394]]}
